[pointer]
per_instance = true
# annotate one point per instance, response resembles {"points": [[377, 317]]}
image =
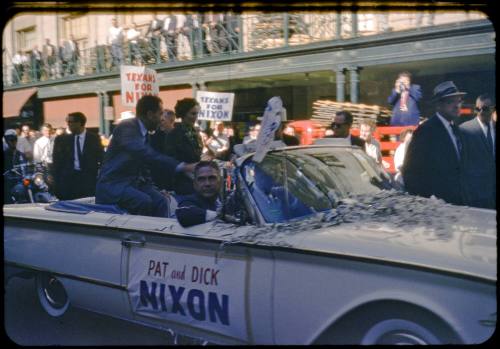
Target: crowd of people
{"points": [[169, 38], [150, 155]]}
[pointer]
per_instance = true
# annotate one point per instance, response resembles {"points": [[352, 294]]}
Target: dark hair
{"points": [[79, 117], [203, 163], [147, 103], [184, 105], [485, 96], [347, 116], [405, 73]]}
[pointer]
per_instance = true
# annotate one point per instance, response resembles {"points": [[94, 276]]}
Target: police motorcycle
{"points": [[26, 183]]}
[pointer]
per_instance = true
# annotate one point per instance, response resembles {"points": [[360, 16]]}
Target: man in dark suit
{"points": [[125, 177], [341, 128], [404, 100], [154, 34], [201, 206], [479, 137], [76, 159], [36, 64], [49, 58], [432, 164], [169, 33], [159, 143]]}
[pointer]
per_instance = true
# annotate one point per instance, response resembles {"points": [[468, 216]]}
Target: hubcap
{"points": [[54, 292]]}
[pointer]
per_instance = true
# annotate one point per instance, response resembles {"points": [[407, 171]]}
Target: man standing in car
{"points": [[125, 178]]}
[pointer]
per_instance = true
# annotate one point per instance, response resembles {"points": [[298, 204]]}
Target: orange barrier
{"points": [[388, 136]]}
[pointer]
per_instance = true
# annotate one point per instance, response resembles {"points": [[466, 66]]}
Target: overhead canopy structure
{"points": [[13, 101]]}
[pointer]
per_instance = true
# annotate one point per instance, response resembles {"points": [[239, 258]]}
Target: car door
{"points": [[182, 280]]}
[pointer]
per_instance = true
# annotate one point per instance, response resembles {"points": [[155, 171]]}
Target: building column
{"points": [[104, 124], [198, 86], [354, 80], [340, 81]]}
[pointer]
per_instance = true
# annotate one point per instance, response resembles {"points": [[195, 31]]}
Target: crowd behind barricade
{"points": [[159, 151], [172, 38]]}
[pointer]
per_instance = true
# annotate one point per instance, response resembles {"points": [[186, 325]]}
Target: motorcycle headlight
{"points": [[38, 179]]}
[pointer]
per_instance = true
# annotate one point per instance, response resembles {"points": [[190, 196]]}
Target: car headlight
{"points": [[38, 179]]}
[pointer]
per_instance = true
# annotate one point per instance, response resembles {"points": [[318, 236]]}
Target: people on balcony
{"points": [[115, 39], [36, 64], [49, 59]]}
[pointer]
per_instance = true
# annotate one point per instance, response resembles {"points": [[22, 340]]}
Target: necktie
{"points": [[79, 151], [404, 100], [458, 141], [489, 142]]}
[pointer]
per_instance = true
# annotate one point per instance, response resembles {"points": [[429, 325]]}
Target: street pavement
{"points": [[26, 323]]}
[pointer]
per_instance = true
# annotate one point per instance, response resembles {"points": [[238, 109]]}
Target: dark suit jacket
{"points": [[431, 165], [184, 145], [155, 27], [66, 184], [125, 160], [405, 118], [355, 140], [192, 209], [479, 167]]}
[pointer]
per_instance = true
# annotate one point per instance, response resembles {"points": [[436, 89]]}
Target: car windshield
{"points": [[299, 182]]}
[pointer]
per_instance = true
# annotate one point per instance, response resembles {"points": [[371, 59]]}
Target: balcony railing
{"points": [[245, 33]]}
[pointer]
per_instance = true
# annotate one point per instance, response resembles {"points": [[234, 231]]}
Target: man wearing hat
{"points": [[479, 135], [432, 164]]}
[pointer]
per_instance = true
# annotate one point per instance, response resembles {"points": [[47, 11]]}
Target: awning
{"points": [[13, 101], [55, 111]]}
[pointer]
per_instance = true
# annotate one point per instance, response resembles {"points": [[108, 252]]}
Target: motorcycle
{"points": [[26, 183]]}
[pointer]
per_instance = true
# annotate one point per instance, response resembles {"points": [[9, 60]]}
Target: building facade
{"points": [[301, 57]]}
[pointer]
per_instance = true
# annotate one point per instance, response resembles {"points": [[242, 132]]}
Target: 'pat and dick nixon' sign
{"points": [[215, 106], [137, 82]]}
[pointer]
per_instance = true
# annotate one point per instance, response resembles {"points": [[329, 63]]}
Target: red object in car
{"points": [[307, 131]]}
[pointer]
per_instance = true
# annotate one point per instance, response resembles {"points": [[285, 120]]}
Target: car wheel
{"points": [[52, 295], [389, 323], [399, 332]]}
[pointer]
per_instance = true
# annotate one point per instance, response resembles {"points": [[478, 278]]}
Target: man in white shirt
{"points": [[115, 38], [132, 38], [19, 61], [42, 150], [372, 146], [479, 136]]}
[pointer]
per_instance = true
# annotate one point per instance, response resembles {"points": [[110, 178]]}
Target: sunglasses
{"points": [[485, 108], [335, 125]]}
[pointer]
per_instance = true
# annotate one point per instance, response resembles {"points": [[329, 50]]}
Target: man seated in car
{"points": [[204, 204]]}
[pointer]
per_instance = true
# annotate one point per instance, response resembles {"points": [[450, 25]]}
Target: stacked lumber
{"points": [[324, 110]]}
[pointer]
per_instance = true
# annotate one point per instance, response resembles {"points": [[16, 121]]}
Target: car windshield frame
{"points": [[317, 179]]}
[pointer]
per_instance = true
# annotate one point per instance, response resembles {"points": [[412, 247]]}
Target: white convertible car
{"points": [[324, 252]]}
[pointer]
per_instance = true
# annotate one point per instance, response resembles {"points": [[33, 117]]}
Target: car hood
{"points": [[398, 228]]}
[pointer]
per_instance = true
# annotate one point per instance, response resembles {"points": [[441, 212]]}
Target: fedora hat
{"points": [[446, 89]]}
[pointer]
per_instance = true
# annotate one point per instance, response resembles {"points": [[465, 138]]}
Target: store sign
{"points": [[137, 82], [215, 106], [189, 287]]}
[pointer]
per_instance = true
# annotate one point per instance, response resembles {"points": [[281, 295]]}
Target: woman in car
{"points": [[184, 142]]}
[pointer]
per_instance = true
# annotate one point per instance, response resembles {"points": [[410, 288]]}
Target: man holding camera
{"points": [[404, 100]]}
